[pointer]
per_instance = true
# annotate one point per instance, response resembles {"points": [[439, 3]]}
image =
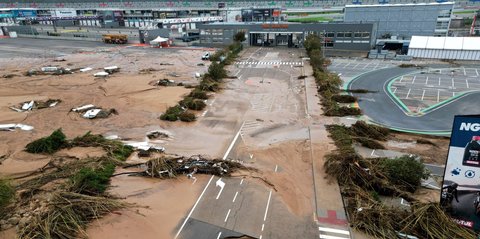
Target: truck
{"points": [[115, 38]]}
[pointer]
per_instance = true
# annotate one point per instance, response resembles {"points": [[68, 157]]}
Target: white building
{"points": [[451, 48]]}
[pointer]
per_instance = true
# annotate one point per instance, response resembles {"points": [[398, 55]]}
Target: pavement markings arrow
{"points": [[220, 184]]}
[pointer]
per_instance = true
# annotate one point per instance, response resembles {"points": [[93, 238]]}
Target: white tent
{"points": [[158, 40], [455, 48]]}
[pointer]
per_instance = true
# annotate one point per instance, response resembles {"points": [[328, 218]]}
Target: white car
{"points": [[206, 56]]}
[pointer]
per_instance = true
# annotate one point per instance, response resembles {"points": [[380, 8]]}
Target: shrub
{"points": [[192, 103], [316, 59], [312, 42], [405, 172], [48, 144], [369, 143], [216, 72], [199, 94], [209, 85], [239, 36], [172, 113], [187, 117], [114, 148], [92, 181], [7, 192], [344, 98], [362, 129]]}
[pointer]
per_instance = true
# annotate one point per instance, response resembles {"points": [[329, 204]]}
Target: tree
{"points": [[404, 171], [312, 42], [239, 36], [216, 72]]}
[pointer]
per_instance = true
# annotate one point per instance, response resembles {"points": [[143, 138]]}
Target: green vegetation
{"points": [[311, 13], [7, 192], [328, 84], [114, 148], [49, 144], [210, 82], [404, 172], [239, 36], [464, 12], [311, 19], [92, 182]]}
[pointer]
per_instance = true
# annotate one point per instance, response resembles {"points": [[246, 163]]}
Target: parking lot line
{"points": [[438, 95], [414, 77], [439, 80], [453, 84], [423, 94], [466, 81], [408, 93], [401, 78], [464, 72], [476, 71], [426, 81]]}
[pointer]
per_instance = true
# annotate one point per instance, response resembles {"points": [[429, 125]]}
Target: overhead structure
{"points": [[449, 48]]}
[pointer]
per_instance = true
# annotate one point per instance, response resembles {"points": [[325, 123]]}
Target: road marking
{"points": [[233, 142], [235, 197], [438, 95], [241, 181], [426, 81], [260, 237], [268, 204], [337, 231], [476, 71], [220, 184], [276, 168], [413, 80], [423, 94], [395, 90], [193, 208], [466, 80], [226, 217], [331, 237], [401, 78], [439, 80], [464, 72], [453, 83], [373, 151], [263, 225], [219, 234], [204, 113], [408, 93]]}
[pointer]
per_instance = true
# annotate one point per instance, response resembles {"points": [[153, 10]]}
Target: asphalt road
{"points": [[381, 108]]}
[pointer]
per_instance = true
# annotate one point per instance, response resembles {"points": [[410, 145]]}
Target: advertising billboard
{"points": [[65, 13], [460, 196]]}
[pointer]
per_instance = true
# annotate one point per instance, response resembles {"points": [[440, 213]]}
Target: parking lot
{"points": [[423, 89], [348, 68]]}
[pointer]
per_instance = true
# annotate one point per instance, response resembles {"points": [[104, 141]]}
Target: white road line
{"points": [[440, 71], [453, 94], [337, 231], [423, 94], [221, 185], [408, 93], [439, 80], [426, 81], [276, 167], [395, 90], [476, 71], [464, 72], [401, 78], [268, 204], [193, 208], [235, 197], [453, 83], [241, 181], [226, 217], [413, 80], [438, 95], [233, 142], [263, 225], [331, 237], [260, 237], [219, 234], [373, 151], [466, 80]]}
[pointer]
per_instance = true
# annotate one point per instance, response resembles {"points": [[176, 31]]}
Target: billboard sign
{"points": [[460, 196], [65, 13]]}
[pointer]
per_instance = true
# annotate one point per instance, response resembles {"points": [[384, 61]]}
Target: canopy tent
{"points": [[159, 39]]}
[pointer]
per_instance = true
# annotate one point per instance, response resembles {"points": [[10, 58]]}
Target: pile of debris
{"points": [[109, 70], [49, 70], [171, 166], [12, 127], [91, 111], [162, 82], [35, 104]]}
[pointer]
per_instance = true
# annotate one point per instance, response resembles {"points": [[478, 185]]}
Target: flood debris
{"points": [[101, 74], [49, 70], [86, 69], [8, 76], [156, 135], [111, 69], [147, 70], [12, 127], [173, 74], [35, 105], [91, 111], [171, 166], [163, 82], [144, 145]]}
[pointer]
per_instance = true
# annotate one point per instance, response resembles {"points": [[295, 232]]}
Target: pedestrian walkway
{"points": [[332, 233], [286, 63]]}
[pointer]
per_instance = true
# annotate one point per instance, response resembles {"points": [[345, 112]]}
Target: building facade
{"points": [[338, 36], [404, 20]]}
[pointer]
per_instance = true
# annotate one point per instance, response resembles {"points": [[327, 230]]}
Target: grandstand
{"points": [[205, 5]]}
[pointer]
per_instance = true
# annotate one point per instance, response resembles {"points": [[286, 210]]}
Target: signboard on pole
{"points": [[460, 196]]}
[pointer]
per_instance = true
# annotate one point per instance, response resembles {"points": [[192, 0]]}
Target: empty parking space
{"points": [[428, 87], [351, 67]]}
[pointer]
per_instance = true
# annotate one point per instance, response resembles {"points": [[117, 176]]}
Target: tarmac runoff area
{"points": [[410, 99]]}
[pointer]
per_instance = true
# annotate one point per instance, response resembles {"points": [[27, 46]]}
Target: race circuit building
{"points": [[404, 20], [337, 36]]}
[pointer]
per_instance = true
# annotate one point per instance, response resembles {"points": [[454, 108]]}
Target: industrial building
{"points": [[338, 36], [404, 20], [449, 48]]}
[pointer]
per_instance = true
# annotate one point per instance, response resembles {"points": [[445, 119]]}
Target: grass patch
{"points": [[7, 192], [49, 144], [311, 19]]}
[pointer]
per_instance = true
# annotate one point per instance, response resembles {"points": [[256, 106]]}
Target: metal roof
{"points": [[401, 4], [445, 43]]}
